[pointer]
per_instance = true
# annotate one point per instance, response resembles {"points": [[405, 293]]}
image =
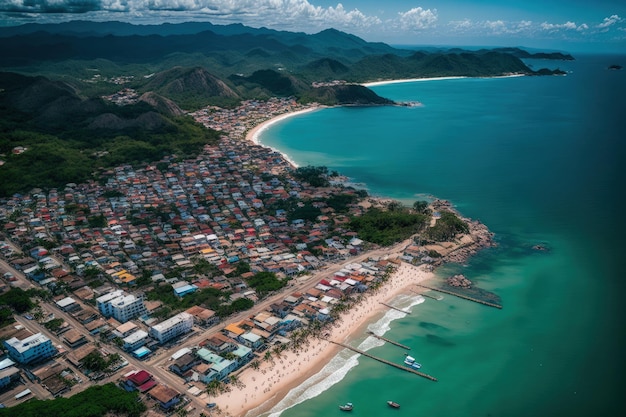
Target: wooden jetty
{"points": [[426, 295], [395, 308], [487, 303], [395, 365], [389, 340]]}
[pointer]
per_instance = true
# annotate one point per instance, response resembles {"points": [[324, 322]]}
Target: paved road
{"points": [[159, 363]]}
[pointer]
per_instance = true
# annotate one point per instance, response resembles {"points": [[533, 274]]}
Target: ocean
{"points": [[539, 161]]}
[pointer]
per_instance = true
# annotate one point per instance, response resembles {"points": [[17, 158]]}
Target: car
{"points": [[28, 316]]}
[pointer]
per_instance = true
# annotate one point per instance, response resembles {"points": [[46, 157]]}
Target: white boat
{"points": [[346, 407], [410, 361]]}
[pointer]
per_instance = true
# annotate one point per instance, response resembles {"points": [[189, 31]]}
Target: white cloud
{"points": [[417, 19], [609, 21], [566, 26]]}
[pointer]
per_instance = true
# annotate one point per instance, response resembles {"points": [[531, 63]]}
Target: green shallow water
{"points": [[537, 159]]}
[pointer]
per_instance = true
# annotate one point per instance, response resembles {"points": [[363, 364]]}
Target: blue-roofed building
{"points": [[32, 349], [184, 290], [222, 367], [244, 355], [142, 352]]}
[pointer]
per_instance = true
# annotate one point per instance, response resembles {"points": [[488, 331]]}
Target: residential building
{"points": [[172, 327], [135, 340], [121, 305], [31, 349]]}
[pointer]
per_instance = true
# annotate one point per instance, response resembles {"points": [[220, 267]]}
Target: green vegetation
{"points": [[70, 143], [315, 176], [447, 227], [95, 401], [95, 362], [386, 227], [6, 316], [53, 325], [265, 282], [211, 298], [17, 299]]}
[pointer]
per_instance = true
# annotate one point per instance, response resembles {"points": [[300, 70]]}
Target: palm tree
{"points": [[255, 364], [214, 387]]}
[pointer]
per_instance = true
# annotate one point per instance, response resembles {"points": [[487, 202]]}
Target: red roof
{"points": [[140, 377], [145, 387]]}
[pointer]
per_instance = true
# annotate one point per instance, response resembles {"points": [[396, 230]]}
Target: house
{"points": [[233, 331], [165, 396], [220, 343], [203, 316], [184, 363], [73, 338], [244, 355], [251, 340], [68, 304], [8, 376], [222, 367]]}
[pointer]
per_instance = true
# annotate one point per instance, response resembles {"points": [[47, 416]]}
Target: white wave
{"points": [[331, 374], [344, 361]]}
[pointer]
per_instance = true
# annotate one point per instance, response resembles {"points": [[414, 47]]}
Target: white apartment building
{"points": [[121, 305], [135, 340], [32, 349], [172, 327]]}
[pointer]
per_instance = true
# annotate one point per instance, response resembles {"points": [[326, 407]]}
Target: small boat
{"points": [[393, 404], [346, 407], [410, 361]]}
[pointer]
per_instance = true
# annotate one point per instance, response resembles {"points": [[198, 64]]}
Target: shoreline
{"points": [[253, 134], [260, 391], [411, 80], [267, 386]]}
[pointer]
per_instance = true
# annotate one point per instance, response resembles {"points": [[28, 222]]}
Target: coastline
{"points": [[260, 391], [411, 80], [253, 134], [265, 387]]}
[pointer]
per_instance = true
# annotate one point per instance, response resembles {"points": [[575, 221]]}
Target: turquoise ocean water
{"points": [[538, 160]]}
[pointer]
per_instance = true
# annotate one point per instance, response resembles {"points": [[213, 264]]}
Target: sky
{"points": [[566, 25]]}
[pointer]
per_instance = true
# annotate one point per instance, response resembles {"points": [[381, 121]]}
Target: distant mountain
{"points": [[122, 42], [269, 83], [520, 53], [345, 94], [184, 84]]}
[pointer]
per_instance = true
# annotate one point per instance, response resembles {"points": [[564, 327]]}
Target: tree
{"points": [[421, 207]]}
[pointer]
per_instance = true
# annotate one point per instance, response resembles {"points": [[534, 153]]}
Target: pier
{"points": [[389, 340], [487, 303], [396, 308], [427, 295], [395, 365]]}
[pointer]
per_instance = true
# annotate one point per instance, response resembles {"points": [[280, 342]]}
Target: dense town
{"points": [[101, 249]]}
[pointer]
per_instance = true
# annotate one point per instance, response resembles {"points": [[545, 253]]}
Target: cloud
{"points": [[50, 6], [567, 26], [491, 27], [417, 19], [609, 21], [269, 13]]}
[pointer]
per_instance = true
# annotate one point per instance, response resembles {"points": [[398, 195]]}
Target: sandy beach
{"points": [[264, 387], [410, 80], [253, 134]]}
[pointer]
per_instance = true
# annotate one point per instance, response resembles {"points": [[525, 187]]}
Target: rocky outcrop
{"points": [[162, 104], [459, 281]]}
